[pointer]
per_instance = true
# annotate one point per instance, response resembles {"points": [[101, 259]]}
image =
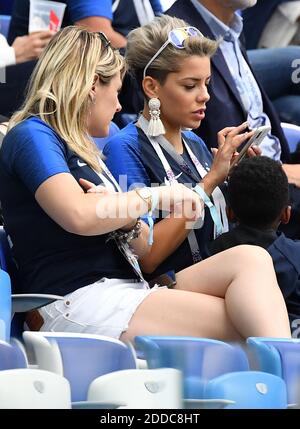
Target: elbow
{"points": [[76, 224]]}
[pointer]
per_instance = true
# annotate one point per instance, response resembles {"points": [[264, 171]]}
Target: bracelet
{"points": [[151, 197], [213, 211], [126, 236]]}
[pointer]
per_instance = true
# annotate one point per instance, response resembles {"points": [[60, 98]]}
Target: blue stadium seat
{"points": [[249, 389], [4, 24], [5, 306], [80, 358], [281, 357], [101, 141], [292, 134], [199, 359]]}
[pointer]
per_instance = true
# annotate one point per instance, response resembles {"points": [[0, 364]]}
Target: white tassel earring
{"points": [[156, 127]]}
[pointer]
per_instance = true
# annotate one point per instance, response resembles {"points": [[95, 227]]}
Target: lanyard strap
{"points": [[124, 248], [195, 251], [219, 218], [144, 11], [109, 175]]}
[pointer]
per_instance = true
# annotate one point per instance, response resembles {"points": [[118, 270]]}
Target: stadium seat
{"points": [[5, 306], [101, 141], [79, 357], [139, 388], [199, 359], [249, 389], [292, 134], [4, 24], [33, 389], [20, 302], [12, 356], [281, 357]]}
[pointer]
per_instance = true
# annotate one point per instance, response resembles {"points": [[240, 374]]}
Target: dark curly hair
{"points": [[258, 191]]}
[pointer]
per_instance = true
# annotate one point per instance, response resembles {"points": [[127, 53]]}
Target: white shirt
{"points": [[7, 53]]}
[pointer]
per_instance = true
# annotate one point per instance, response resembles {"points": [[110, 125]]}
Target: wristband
{"points": [[213, 211], [154, 203]]}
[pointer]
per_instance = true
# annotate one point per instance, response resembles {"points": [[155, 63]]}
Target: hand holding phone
{"points": [[259, 134]]}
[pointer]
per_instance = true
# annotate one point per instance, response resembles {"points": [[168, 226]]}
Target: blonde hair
{"points": [[59, 88], [144, 42]]}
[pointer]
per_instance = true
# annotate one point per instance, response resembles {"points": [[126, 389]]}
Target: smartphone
{"points": [[258, 136]]}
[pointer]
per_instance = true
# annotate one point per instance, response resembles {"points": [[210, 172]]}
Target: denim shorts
{"points": [[104, 308]]}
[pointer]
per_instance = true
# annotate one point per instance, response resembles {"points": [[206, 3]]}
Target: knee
{"points": [[252, 255]]}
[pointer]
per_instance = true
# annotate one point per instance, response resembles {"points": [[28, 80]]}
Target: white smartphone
{"points": [[258, 136]]}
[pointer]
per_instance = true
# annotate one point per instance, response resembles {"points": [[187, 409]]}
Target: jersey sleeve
{"points": [[79, 9], [123, 158], [34, 154]]}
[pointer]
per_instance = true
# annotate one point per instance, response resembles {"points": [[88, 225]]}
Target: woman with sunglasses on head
{"points": [[171, 63], [83, 245]]}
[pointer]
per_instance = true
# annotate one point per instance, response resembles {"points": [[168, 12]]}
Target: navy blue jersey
{"points": [[123, 19], [50, 259], [129, 154]]}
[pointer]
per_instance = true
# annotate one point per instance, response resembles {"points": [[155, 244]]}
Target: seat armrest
{"points": [[24, 302]]}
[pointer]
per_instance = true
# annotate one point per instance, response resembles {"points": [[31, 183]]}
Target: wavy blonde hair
{"points": [[144, 42], [59, 88]]}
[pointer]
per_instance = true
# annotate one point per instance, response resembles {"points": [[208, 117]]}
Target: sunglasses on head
{"points": [[104, 39], [176, 38]]}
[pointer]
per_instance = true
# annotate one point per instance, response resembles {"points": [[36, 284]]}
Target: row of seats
{"points": [[102, 373]]}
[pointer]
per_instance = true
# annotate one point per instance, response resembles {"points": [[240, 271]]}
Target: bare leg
{"points": [[244, 276], [230, 296], [173, 312]]}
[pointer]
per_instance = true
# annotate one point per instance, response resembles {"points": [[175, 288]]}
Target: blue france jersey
{"points": [[133, 161], [50, 259]]}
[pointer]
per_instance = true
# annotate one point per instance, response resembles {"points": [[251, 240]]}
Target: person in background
{"points": [[235, 94], [272, 24], [84, 245], [24, 48], [114, 17], [258, 202]]}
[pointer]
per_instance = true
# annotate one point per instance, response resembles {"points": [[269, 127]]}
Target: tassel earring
{"points": [[156, 127]]}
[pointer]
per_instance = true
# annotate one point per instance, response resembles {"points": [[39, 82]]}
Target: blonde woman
{"points": [[76, 244]]}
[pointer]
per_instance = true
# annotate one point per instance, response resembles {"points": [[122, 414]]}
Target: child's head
{"points": [[258, 193]]}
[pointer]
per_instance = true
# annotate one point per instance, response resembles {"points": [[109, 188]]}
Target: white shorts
{"points": [[104, 308]]}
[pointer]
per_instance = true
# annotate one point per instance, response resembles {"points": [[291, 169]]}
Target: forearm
{"points": [[169, 233], [106, 213]]}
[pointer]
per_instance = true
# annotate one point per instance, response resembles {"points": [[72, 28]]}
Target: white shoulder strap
{"points": [[115, 6], [144, 11]]}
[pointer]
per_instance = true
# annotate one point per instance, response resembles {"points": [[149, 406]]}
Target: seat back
{"points": [[279, 356], [11, 356], [79, 357], [34, 389], [7, 262], [249, 389], [199, 359], [5, 306], [139, 388], [101, 141], [4, 24], [292, 134]]}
